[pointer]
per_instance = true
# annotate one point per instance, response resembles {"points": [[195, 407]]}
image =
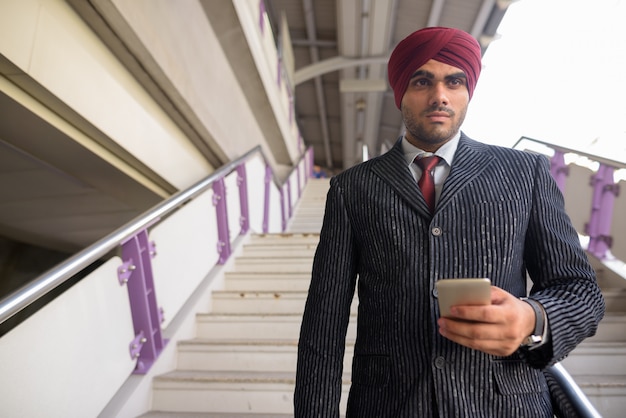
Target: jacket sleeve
{"points": [[326, 315], [563, 280]]}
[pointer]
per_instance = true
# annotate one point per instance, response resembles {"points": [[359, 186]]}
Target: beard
{"points": [[433, 134]]}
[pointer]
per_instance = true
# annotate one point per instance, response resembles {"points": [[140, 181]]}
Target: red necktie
{"points": [[427, 182]]}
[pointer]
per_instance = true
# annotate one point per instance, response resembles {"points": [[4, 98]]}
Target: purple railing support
{"points": [[599, 227], [223, 235], [266, 203], [309, 160], [136, 273], [242, 182], [559, 169], [262, 15], [283, 214], [289, 205], [299, 185], [291, 107]]}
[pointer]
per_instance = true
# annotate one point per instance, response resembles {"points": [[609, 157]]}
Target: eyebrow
{"points": [[428, 74]]}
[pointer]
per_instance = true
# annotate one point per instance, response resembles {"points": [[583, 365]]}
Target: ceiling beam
{"points": [[334, 64]]}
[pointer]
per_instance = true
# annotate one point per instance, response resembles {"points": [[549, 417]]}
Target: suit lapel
{"points": [[393, 169], [470, 161]]}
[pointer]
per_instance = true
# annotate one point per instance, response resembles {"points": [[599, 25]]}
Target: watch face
{"points": [[532, 340]]}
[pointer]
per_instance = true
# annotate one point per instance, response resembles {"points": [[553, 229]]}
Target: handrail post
{"points": [[136, 273], [242, 182], [223, 234], [266, 202], [283, 215], [599, 227], [298, 182], [289, 205], [559, 169]]}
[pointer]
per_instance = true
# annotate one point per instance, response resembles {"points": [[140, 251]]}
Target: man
{"points": [[498, 214]]}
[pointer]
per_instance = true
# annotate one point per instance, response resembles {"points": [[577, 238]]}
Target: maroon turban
{"points": [[450, 46]]}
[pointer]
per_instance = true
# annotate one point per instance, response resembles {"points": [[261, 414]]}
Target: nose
{"points": [[439, 95]]}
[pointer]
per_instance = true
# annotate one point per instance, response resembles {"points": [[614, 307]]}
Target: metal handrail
{"points": [[606, 161], [573, 402], [56, 276]]}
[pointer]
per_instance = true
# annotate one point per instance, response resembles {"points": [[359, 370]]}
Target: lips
{"points": [[438, 116]]}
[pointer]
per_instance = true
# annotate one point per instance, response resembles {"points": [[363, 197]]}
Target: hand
{"points": [[496, 329]]}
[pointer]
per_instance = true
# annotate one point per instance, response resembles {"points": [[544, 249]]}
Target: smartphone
{"points": [[474, 291]]}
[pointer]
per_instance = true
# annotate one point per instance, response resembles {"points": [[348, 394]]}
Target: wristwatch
{"points": [[537, 336]]}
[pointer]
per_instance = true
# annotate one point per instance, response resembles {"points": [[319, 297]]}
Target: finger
{"points": [[475, 313], [477, 338]]}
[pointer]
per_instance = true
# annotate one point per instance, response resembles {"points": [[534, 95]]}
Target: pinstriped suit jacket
{"points": [[500, 215]]}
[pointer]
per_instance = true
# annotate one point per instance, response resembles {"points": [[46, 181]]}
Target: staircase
{"points": [[598, 364], [242, 362]]}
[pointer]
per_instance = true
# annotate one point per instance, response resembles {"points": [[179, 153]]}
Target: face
{"points": [[434, 105]]}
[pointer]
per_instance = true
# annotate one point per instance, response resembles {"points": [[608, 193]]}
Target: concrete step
{"points": [[285, 238], [597, 359], [227, 392], [305, 225], [267, 265], [606, 393], [244, 355], [161, 414], [259, 302], [280, 251], [267, 281], [262, 302], [255, 327], [274, 261], [615, 299], [612, 329]]}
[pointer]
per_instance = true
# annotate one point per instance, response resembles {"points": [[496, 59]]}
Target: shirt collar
{"points": [[446, 151]]}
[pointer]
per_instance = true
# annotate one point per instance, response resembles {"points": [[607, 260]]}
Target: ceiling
{"points": [[340, 50], [59, 195]]}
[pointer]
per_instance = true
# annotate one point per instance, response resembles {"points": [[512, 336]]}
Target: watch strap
{"points": [[537, 334]]}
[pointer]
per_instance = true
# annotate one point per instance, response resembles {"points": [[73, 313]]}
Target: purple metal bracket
{"points": [[559, 169], [289, 206], [242, 182], [261, 15], [299, 185], [310, 162], [136, 345], [125, 271], [266, 203], [136, 272], [291, 106], [223, 235], [599, 227], [283, 223]]}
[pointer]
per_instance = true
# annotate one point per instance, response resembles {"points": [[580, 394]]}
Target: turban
{"points": [[447, 45]]}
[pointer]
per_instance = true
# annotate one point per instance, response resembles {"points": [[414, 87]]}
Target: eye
{"points": [[420, 82], [456, 82]]}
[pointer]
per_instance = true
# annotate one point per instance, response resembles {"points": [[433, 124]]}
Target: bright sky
{"points": [[557, 74]]}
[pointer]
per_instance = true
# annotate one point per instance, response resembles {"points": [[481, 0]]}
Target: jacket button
{"points": [[440, 362], [436, 231]]}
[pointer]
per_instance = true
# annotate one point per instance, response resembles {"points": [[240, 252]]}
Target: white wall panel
{"points": [[186, 245], [618, 225], [578, 190], [255, 172], [233, 205], [51, 44], [69, 358]]}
